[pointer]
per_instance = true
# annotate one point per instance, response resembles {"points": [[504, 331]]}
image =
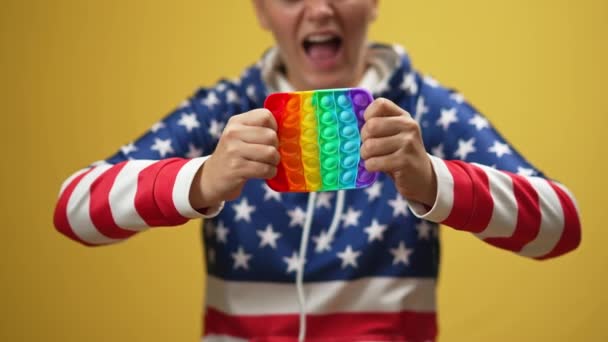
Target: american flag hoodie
{"points": [[371, 257]]}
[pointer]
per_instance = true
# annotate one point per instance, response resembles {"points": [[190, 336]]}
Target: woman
{"points": [[370, 272]]}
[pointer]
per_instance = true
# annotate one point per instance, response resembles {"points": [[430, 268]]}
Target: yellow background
{"points": [[80, 78]]}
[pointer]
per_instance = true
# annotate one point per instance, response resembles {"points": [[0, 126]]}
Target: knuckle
{"points": [[409, 123], [231, 132], [382, 103], [268, 153], [272, 171], [371, 165], [373, 125]]}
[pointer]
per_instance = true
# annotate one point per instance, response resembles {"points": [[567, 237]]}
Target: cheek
{"points": [[356, 20], [283, 27]]}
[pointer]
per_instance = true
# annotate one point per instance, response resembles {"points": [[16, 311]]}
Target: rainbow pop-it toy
{"points": [[319, 140]]}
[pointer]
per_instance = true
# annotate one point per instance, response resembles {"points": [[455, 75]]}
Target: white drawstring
{"points": [[310, 210], [335, 222]]}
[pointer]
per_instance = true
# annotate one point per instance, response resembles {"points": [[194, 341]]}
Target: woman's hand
{"points": [[392, 143], [247, 149]]}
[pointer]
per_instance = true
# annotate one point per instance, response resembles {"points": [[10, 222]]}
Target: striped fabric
{"points": [[374, 279]]}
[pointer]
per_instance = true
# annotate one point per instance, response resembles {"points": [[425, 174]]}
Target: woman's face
{"points": [[321, 42]]}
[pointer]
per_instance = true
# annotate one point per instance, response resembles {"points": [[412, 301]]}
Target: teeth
{"points": [[320, 38]]}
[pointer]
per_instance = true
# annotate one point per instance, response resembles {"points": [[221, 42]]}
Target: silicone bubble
{"points": [[320, 140]]}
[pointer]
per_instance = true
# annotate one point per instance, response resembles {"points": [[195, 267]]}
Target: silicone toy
{"points": [[319, 140]]}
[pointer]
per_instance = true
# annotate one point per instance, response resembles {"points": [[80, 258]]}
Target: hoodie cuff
{"points": [[445, 195], [181, 191]]}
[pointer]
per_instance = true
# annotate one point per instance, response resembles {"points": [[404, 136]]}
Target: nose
{"points": [[319, 10]]}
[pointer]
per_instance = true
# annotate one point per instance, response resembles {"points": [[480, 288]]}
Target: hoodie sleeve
{"points": [[485, 186], [146, 183]]}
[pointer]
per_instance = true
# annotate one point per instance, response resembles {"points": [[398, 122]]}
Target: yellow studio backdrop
{"points": [[81, 78]]}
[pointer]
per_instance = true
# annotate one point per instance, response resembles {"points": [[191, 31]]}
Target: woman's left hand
{"points": [[392, 143]]}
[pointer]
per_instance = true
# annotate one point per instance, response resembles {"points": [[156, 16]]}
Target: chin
{"points": [[328, 81]]}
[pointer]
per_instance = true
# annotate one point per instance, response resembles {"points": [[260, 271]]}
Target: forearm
{"points": [[531, 216], [107, 203]]}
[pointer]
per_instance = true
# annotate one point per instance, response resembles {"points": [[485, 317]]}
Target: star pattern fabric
{"points": [[253, 243]]}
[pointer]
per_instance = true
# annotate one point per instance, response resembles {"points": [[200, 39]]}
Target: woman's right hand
{"points": [[248, 148]]}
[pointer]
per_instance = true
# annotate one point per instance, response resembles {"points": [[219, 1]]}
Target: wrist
{"points": [[200, 193]]}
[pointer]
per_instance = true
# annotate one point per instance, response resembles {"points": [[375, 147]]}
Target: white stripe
{"points": [[78, 209], [504, 212], [570, 194], [122, 196], [181, 189], [221, 338], [445, 195], [552, 220], [70, 179], [376, 294]]}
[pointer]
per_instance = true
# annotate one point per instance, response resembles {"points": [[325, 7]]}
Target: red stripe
{"points": [[463, 196], [399, 326], [571, 235], [99, 205], [60, 218], [145, 203], [150, 202], [163, 191], [528, 216], [483, 203]]}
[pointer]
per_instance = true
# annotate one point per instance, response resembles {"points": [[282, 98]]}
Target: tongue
{"points": [[322, 51]]}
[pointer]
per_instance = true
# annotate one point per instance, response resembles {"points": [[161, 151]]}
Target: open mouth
{"points": [[322, 49]]}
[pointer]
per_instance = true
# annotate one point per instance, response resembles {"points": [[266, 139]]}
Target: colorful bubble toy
{"points": [[319, 140]]}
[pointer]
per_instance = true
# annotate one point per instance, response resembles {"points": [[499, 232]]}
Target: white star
{"points": [[349, 257], [243, 211], [323, 241], [448, 116], [216, 128], [270, 194], [400, 50], [211, 255], [221, 232], [457, 97], [424, 229], [293, 263], [351, 218], [465, 147], [409, 84], [163, 146], [479, 122], [189, 121], [382, 87], [251, 91], [157, 126], [374, 191], [526, 172], [437, 151], [431, 81], [324, 200], [296, 216], [268, 237], [221, 87], [193, 151], [421, 109], [375, 231], [401, 254], [184, 104], [499, 149], [241, 259], [126, 149], [232, 96], [211, 100], [399, 206]]}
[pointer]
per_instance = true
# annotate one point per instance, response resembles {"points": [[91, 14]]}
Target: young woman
{"points": [[365, 262]]}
